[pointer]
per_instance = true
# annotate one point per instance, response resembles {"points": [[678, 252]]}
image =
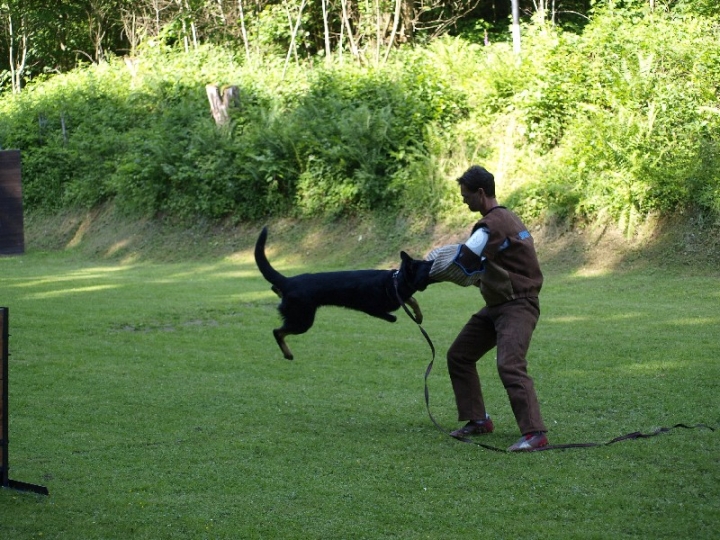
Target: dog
{"points": [[374, 292]]}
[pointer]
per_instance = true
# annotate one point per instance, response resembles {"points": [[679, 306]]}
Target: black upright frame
{"points": [[4, 422], [4, 400]]}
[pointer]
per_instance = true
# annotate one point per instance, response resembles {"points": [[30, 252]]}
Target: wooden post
{"points": [[11, 208], [221, 101]]}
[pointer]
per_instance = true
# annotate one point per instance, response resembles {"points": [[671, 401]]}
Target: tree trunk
{"points": [[516, 26], [293, 47], [396, 22], [221, 101], [246, 42], [326, 29], [346, 20], [18, 49]]}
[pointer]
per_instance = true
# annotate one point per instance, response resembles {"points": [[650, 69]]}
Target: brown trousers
{"points": [[508, 326]]}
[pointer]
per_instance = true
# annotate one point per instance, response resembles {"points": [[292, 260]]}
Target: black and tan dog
{"points": [[370, 291]]}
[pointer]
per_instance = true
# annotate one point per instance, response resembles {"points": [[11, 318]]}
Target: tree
{"points": [[44, 36], [15, 32]]}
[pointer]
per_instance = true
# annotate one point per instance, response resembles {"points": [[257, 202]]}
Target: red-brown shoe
{"points": [[530, 442], [474, 427]]}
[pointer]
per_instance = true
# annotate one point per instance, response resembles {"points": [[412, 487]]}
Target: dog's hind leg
{"points": [[276, 291], [416, 309], [280, 338], [297, 319]]}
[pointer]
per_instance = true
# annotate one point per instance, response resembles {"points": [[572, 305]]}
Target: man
{"points": [[499, 257]]}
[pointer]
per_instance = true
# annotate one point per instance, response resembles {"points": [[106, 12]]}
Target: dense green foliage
{"points": [[38, 38], [322, 141], [645, 133], [619, 121]]}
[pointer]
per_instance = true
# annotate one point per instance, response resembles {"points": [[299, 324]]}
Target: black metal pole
{"points": [[5, 351], [4, 398]]}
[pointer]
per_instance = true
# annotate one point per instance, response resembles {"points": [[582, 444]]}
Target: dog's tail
{"points": [[268, 272]]}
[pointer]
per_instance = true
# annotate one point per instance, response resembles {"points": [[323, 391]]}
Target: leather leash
{"points": [[628, 436], [427, 375]]}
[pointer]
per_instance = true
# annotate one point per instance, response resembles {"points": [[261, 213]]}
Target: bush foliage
{"points": [[620, 121]]}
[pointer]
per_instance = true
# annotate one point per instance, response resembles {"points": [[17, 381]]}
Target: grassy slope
{"points": [[686, 244], [149, 396]]}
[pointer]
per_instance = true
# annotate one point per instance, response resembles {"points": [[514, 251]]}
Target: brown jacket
{"points": [[511, 266]]}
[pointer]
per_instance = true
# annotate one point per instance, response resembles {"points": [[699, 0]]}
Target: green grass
{"points": [[152, 401]]}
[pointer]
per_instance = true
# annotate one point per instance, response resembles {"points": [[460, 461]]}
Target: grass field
{"points": [[152, 401]]}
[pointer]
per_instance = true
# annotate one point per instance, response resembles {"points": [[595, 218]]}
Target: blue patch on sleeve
{"points": [[477, 262]]}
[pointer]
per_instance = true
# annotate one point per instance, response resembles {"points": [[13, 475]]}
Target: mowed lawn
{"points": [[152, 401]]}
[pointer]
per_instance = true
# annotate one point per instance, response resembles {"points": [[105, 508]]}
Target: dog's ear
{"points": [[405, 257]]}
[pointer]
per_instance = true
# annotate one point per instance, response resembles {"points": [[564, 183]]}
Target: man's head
{"points": [[477, 187], [477, 177]]}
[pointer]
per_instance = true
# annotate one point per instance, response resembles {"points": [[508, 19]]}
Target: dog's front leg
{"points": [[389, 317], [416, 309]]}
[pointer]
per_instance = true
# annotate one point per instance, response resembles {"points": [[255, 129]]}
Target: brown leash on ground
{"points": [[629, 436]]}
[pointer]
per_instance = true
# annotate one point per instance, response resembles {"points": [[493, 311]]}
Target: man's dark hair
{"points": [[477, 177]]}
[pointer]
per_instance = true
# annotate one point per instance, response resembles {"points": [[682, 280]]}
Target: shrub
{"points": [[620, 121], [355, 130], [332, 145], [633, 130]]}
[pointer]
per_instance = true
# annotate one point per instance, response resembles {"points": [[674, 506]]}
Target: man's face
{"points": [[471, 198]]}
